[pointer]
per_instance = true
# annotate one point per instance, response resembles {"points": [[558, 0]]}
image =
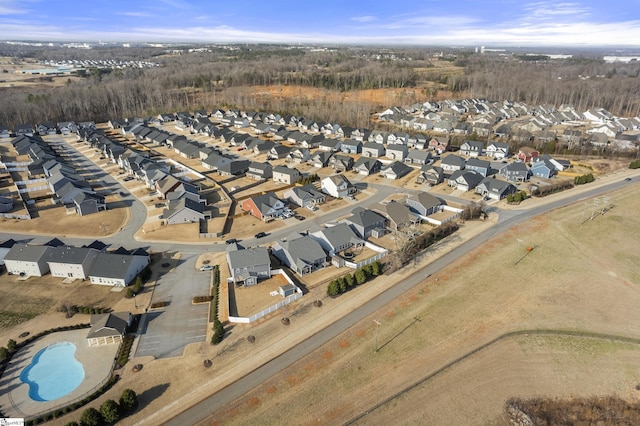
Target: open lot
{"points": [[577, 277]]}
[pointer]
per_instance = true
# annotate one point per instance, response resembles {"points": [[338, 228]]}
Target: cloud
{"points": [[137, 14], [553, 10], [366, 18], [12, 7]]}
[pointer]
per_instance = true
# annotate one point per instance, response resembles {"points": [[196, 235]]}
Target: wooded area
{"points": [[223, 78]]}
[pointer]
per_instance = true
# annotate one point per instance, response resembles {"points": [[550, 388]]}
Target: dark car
{"points": [[299, 217], [231, 241], [627, 179], [260, 235]]}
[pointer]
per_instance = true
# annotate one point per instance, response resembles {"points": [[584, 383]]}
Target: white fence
{"points": [[381, 253], [297, 295]]}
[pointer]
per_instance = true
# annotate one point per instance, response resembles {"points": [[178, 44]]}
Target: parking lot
{"points": [[164, 332]]}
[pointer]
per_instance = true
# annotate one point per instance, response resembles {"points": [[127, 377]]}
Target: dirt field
{"points": [[577, 277]]}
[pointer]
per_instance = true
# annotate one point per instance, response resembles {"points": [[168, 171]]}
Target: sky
{"points": [[411, 22]]}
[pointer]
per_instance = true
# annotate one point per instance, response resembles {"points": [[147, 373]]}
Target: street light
{"points": [[378, 324]]}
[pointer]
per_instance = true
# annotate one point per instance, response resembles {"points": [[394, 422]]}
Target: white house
{"points": [[27, 260], [337, 186], [117, 270], [71, 262]]}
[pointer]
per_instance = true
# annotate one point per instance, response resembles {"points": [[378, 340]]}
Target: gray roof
{"points": [[338, 235], [425, 199], [396, 212], [111, 265], [23, 252], [247, 257], [453, 160], [112, 324], [364, 217], [70, 255], [399, 168], [182, 203], [303, 249], [476, 162]]}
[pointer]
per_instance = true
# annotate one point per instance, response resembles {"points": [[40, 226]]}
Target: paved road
{"points": [[203, 409]]}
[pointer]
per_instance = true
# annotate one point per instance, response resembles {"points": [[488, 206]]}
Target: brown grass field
{"points": [[578, 277]]}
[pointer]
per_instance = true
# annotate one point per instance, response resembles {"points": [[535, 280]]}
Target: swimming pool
{"points": [[53, 373]]}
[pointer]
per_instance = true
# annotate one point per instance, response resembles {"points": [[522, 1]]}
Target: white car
{"points": [[311, 207], [206, 268]]}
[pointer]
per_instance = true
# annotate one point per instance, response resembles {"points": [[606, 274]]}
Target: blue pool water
{"points": [[53, 373]]}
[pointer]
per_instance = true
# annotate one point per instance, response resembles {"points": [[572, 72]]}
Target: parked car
{"points": [[231, 241], [299, 217], [311, 207], [128, 178], [206, 268], [260, 235]]}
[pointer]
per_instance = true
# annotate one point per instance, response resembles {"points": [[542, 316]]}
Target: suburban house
{"points": [[286, 175], [398, 215], [367, 166], [184, 210], [259, 171], [338, 186], [396, 170], [331, 145], [439, 144], [424, 204], [397, 152], [264, 207], [472, 148], [108, 328], [335, 239], [71, 262], [85, 203], [452, 162], [278, 151], [233, 167], [301, 253], [416, 156], [298, 155], [304, 196], [527, 154], [117, 270], [366, 223], [515, 172], [320, 158], [24, 260], [5, 246], [372, 149], [341, 162], [495, 189], [543, 167], [432, 175], [464, 180], [480, 166], [351, 146], [497, 150], [247, 266]]}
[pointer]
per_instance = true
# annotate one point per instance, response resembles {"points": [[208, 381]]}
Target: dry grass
{"points": [[577, 277]]}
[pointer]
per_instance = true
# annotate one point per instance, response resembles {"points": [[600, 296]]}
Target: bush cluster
{"points": [[124, 351], [306, 180], [360, 276], [541, 191], [134, 289], [218, 327], [202, 299], [89, 417], [635, 164], [581, 180], [71, 310], [517, 197]]}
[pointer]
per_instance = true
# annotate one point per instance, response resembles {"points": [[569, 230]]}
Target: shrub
{"points": [[128, 400], [635, 164], [218, 332], [4, 352], [376, 268], [332, 289], [342, 285], [361, 276], [72, 424], [349, 280], [91, 417], [110, 411]]}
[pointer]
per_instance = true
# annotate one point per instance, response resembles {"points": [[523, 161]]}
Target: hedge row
{"points": [[218, 328], [125, 350], [348, 281]]}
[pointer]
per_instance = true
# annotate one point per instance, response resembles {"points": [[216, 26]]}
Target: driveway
{"points": [[166, 331]]}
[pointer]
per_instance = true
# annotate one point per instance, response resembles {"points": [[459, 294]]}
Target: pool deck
{"points": [[96, 360]]}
